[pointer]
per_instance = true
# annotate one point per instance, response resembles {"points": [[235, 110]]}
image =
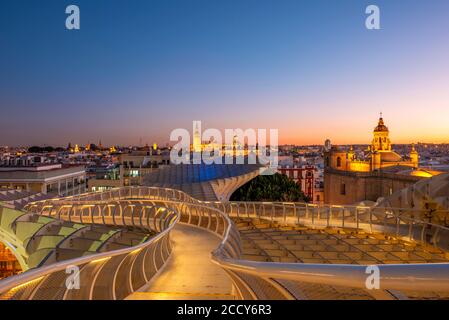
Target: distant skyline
{"points": [[139, 69]]}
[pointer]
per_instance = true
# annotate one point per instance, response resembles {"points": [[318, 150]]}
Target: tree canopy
{"points": [[275, 187]]}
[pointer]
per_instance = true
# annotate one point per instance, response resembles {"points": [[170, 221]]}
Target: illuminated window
{"points": [[134, 173], [100, 189]]}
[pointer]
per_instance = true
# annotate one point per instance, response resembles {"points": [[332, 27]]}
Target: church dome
{"points": [[381, 127]]}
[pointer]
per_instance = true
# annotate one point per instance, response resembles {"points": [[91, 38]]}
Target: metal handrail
{"points": [[337, 206], [217, 255], [269, 275], [403, 277], [38, 275], [185, 196], [11, 282]]}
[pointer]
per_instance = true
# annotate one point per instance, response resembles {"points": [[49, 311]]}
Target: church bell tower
{"points": [[381, 141]]}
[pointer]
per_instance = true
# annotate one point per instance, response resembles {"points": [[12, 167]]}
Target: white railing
{"points": [[108, 275], [397, 222], [265, 280]]}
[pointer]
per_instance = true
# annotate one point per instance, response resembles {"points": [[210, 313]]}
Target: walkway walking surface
{"points": [[189, 273]]}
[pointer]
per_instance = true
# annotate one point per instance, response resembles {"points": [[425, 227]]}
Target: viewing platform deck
{"points": [[189, 273]]}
